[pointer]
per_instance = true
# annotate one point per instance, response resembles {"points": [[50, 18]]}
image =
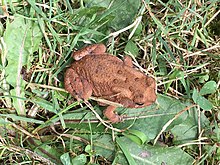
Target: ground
{"points": [[176, 42]]}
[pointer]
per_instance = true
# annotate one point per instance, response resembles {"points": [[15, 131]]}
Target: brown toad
{"points": [[102, 75]]}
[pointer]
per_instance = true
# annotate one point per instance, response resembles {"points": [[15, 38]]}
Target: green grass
{"points": [[176, 42]]}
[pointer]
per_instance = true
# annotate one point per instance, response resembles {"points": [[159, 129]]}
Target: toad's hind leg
{"points": [[77, 86], [89, 50]]}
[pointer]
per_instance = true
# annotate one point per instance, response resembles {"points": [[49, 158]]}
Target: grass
{"points": [[176, 42]]}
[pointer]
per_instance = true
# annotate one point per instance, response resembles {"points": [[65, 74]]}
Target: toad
{"points": [[97, 73]]}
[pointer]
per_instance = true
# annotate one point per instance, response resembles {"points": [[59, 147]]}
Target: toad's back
{"points": [[105, 72]]}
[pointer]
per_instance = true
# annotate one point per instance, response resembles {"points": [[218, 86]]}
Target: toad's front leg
{"points": [[110, 114], [77, 86], [96, 49]]}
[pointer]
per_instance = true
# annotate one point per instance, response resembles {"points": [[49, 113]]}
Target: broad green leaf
{"points": [[144, 154], [208, 88], [187, 130], [132, 48], [79, 160], [139, 134], [88, 149], [104, 146], [65, 159], [124, 12], [155, 116], [22, 38], [125, 151], [184, 132], [201, 101]]}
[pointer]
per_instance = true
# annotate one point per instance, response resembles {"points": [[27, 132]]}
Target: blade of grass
{"points": [[38, 10]]}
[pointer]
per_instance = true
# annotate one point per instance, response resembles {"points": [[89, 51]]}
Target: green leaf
{"points": [[155, 116], [201, 101], [18, 102], [125, 151], [21, 118], [37, 9], [123, 11], [103, 146], [208, 88], [188, 129], [144, 154], [22, 38], [44, 104], [156, 154], [180, 75], [65, 159], [88, 149], [1, 28], [80, 159], [132, 48], [204, 78], [136, 136], [138, 30]]}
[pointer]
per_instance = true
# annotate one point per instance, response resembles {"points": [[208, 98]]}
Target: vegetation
{"points": [[177, 42]]}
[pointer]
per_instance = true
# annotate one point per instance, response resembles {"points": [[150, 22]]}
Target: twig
{"points": [[199, 132], [100, 119], [201, 51]]}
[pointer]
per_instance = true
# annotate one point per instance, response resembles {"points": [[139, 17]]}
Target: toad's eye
{"points": [[138, 99], [139, 104]]}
